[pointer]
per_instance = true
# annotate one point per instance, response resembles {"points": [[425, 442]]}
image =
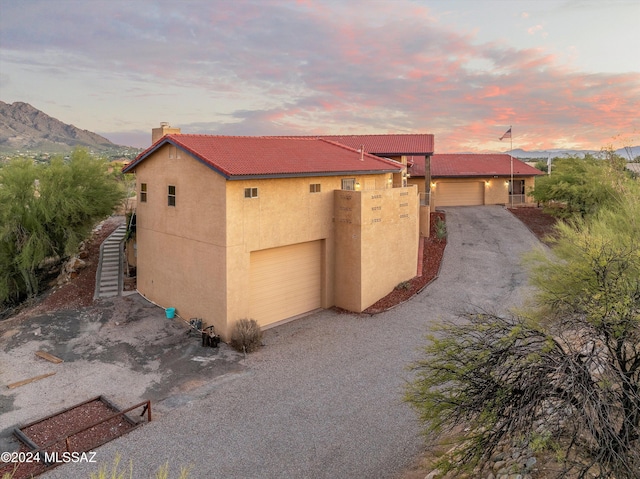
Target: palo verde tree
{"points": [[580, 185], [563, 372], [46, 211]]}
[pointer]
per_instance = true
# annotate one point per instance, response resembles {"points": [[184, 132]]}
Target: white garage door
{"points": [[466, 193], [285, 282]]}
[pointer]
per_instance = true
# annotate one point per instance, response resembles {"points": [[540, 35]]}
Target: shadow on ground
{"points": [[123, 348]]}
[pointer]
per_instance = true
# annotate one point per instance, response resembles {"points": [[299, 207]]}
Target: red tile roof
{"points": [[385, 145], [468, 165], [236, 157]]}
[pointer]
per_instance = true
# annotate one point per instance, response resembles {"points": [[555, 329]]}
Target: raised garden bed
{"points": [[66, 435]]}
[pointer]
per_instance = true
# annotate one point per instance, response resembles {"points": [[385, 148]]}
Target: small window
{"points": [[143, 192], [314, 188], [172, 195], [349, 184], [251, 192]]}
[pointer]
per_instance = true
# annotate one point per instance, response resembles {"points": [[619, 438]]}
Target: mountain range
{"points": [[626, 153], [23, 127]]}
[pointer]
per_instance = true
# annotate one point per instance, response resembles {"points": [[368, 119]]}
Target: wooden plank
{"points": [[30, 380], [49, 357]]}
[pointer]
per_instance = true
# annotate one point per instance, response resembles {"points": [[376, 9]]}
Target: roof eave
{"points": [[166, 140], [427, 153], [477, 175], [145, 154], [229, 176], [308, 174]]}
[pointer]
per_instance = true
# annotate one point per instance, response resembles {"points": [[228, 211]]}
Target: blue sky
{"points": [[565, 74]]}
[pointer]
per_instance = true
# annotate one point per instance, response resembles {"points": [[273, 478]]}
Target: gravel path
{"points": [[323, 398]]}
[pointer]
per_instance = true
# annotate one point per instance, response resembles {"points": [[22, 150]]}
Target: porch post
{"points": [[427, 180]]}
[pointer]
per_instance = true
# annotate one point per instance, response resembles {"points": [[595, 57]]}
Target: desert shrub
{"points": [[569, 362], [246, 336], [117, 473], [441, 229]]}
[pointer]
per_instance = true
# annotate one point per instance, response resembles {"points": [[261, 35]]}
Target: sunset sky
{"points": [[564, 73]]}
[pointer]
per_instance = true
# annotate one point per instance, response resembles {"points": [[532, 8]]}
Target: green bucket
{"points": [[170, 312]]}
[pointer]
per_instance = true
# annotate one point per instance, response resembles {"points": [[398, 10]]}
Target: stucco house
{"points": [[269, 228], [474, 179], [408, 149]]}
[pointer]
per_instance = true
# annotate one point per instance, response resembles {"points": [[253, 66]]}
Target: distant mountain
{"points": [[23, 127], [634, 151]]}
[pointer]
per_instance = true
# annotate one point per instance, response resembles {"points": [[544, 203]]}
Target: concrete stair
{"points": [[109, 274]]}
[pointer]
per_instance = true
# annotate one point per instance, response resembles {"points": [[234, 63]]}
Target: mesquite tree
{"points": [[566, 369]]}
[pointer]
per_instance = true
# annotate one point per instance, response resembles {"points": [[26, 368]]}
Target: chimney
{"points": [[165, 129]]}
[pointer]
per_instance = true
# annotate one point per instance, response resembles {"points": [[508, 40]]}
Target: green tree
{"points": [[542, 165], [46, 211], [579, 185], [568, 365]]}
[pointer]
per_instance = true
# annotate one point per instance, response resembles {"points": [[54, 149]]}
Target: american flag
{"points": [[506, 135]]}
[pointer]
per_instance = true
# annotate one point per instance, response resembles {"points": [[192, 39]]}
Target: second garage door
{"points": [[285, 282], [466, 193]]}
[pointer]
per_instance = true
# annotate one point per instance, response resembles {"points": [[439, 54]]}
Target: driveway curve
{"points": [[323, 398]]}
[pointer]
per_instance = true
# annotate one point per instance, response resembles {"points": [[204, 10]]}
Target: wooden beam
{"points": [[27, 381], [49, 357]]}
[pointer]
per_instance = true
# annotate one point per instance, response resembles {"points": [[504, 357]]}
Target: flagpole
{"points": [[511, 158], [510, 134]]}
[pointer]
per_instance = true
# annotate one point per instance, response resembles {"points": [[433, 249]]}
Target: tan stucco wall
{"points": [[529, 185], [425, 218], [496, 190], [130, 252], [195, 256], [418, 182], [284, 213], [181, 250], [376, 244]]}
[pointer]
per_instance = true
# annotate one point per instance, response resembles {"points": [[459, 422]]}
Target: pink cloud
{"points": [[360, 67], [533, 30]]}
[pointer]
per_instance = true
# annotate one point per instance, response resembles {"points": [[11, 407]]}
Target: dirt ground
{"points": [[123, 348], [129, 334], [78, 292], [540, 223]]}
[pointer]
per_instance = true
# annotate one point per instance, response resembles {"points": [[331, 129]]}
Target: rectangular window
{"points": [[314, 188], [251, 192], [143, 192], [172, 195], [349, 184]]}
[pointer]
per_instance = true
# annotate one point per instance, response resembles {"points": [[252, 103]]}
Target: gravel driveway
{"points": [[323, 398]]}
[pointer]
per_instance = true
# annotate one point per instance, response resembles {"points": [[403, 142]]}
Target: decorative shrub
{"points": [[441, 229], [246, 336]]}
